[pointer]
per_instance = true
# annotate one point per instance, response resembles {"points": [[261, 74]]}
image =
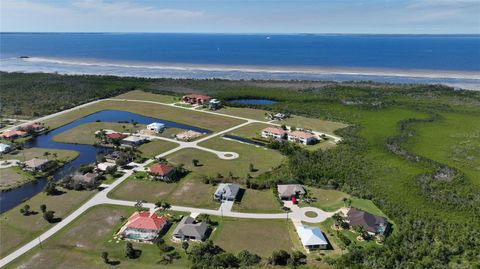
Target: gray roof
{"points": [[134, 138], [87, 178], [36, 162], [227, 190], [188, 227], [369, 221], [289, 190]]}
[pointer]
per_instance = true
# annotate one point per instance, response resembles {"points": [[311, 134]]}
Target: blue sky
{"points": [[247, 16]]}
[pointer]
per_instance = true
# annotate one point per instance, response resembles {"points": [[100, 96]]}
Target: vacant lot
{"points": [[155, 147], [194, 118], [256, 201], [79, 245], [141, 95], [17, 229], [85, 133], [313, 124], [258, 236], [188, 192], [13, 176], [249, 113], [263, 159], [251, 131], [27, 154]]}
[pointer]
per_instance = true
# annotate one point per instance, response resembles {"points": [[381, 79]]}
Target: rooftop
{"points": [[36, 162], [311, 236], [302, 134], [365, 219], [145, 220], [274, 130], [160, 169], [188, 227]]}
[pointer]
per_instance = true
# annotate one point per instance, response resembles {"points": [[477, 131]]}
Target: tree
{"points": [[46, 154], [25, 210], [158, 204], [225, 260], [50, 188], [166, 206], [195, 162], [49, 216], [248, 259], [297, 258], [129, 251], [185, 246], [43, 208], [279, 257], [105, 257], [251, 168]]}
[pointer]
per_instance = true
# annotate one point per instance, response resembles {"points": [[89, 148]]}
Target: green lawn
{"points": [[263, 159], [258, 236], [313, 124], [188, 192], [199, 119], [85, 133], [253, 130], [249, 113], [256, 201], [155, 147], [79, 245], [451, 141], [17, 230], [141, 95], [30, 153]]}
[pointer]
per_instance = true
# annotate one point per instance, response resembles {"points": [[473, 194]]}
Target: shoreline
{"points": [[321, 70]]}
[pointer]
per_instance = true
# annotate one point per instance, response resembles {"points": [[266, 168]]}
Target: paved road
{"points": [[297, 214], [8, 163]]}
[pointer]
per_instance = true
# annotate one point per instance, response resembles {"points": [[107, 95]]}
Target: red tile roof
{"points": [[143, 220], [160, 169], [36, 126], [114, 136], [197, 96], [274, 130], [13, 133]]}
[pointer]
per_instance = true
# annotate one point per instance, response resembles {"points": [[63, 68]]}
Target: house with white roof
{"points": [[156, 127], [274, 132], [311, 237], [4, 148]]}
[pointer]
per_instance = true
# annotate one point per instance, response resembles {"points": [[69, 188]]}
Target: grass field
{"points": [[155, 147], [188, 192], [251, 131], [451, 141], [85, 133], [256, 201], [79, 245], [17, 230], [13, 176], [258, 236], [313, 124], [249, 113], [198, 119], [263, 159], [141, 95], [30, 153]]}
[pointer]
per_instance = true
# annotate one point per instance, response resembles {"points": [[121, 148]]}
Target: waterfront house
{"points": [[274, 132], [156, 127], [143, 226], [161, 171], [105, 166], [196, 99], [226, 192], [189, 229], [302, 137], [113, 136], [87, 180], [311, 237], [5, 148], [289, 191], [372, 224], [12, 134], [133, 140], [214, 104], [37, 164]]}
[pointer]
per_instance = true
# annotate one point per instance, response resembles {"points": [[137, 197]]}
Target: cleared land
{"points": [[155, 147], [256, 201], [313, 124], [263, 159], [17, 229], [79, 245], [249, 113], [30, 153], [194, 118], [188, 192], [258, 236], [449, 140], [13, 176], [141, 95], [85, 133]]}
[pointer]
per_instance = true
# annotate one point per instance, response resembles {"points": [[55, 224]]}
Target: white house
{"points": [[4, 148], [311, 237], [156, 127], [274, 132], [302, 137]]}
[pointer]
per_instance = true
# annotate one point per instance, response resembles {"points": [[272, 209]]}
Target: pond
{"points": [[88, 153], [253, 101]]}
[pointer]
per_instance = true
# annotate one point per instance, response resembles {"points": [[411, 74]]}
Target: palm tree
{"points": [[46, 154]]}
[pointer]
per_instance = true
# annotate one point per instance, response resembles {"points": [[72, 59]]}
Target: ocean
{"points": [[448, 59]]}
